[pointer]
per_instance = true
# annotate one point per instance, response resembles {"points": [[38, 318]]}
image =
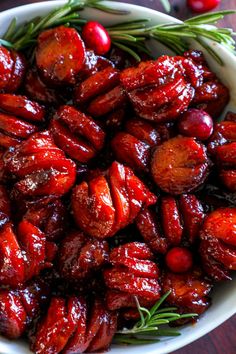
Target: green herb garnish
{"points": [[130, 36], [147, 329]]}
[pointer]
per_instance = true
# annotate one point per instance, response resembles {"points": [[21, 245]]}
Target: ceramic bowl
{"points": [[224, 295]]}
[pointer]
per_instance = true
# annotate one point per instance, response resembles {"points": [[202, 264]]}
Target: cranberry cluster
{"points": [[116, 182]]}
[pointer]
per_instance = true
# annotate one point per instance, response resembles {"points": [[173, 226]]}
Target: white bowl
{"points": [[224, 295]]}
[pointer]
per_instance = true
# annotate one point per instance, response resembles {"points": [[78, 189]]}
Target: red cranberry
{"points": [[196, 123], [96, 37], [179, 260], [202, 5]]}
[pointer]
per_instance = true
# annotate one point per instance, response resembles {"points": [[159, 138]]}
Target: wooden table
{"points": [[223, 339]]}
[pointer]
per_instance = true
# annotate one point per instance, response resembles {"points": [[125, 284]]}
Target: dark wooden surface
{"points": [[223, 339]]}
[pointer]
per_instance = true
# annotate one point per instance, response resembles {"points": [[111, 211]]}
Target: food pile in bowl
{"points": [[117, 191]]}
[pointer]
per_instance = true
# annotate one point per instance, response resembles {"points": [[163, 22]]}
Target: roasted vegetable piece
{"points": [[41, 167], [179, 222], [22, 107], [171, 222], [77, 134], [6, 67], [212, 97], [96, 84], [150, 229], [36, 89], [70, 328], [100, 94], [108, 203], [51, 218], [93, 63], [133, 146], [179, 165], [189, 291], [80, 256], [134, 273], [60, 55], [218, 247], [24, 253], [14, 130], [222, 147], [18, 72], [12, 315], [5, 207], [19, 307], [161, 90]]}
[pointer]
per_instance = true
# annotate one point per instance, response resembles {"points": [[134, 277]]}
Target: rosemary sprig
{"points": [[130, 36], [147, 329], [133, 35], [25, 35]]}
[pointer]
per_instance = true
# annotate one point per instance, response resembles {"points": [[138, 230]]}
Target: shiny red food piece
{"points": [[93, 208], [70, 328], [19, 307], [179, 165], [106, 204], [108, 102], [179, 221], [106, 331], [33, 296], [3, 172], [150, 230], [97, 84], [56, 328], [5, 207], [189, 291], [93, 63], [50, 218], [116, 300], [228, 178], [13, 130], [60, 55], [10, 254], [179, 260], [132, 151], [222, 147], [192, 214], [41, 167], [133, 272], [6, 67], [32, 242], [22, 107], [79, 256], [77, 342], [212, 97], [18, 72], [96, 37], [202, 5], [171, 222], [196, 123], [12, 315], [134, 146], [36, 89], [147, 73], [122, 280], [149, 105], [162, 90], [219, 238], [23, 251], [76, 133]]}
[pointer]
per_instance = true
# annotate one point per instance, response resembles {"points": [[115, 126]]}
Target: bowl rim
{"points": [[195, 334]]}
